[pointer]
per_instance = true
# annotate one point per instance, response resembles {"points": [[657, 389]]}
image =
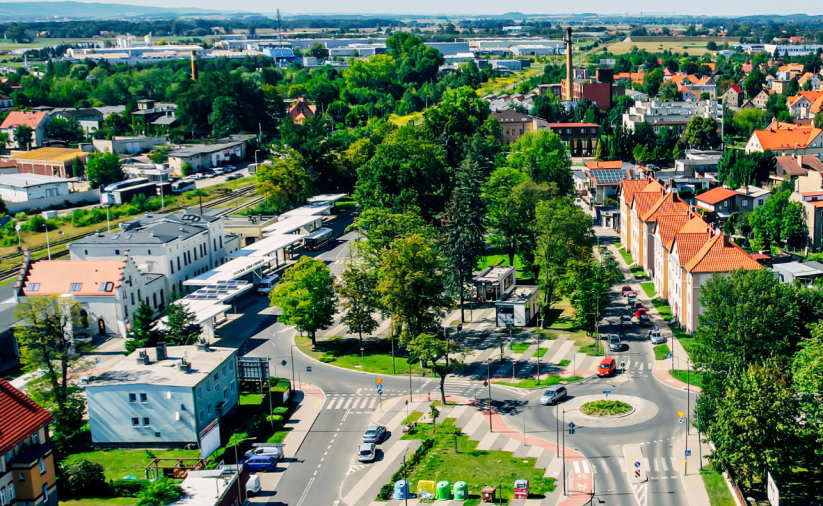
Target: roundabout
{"points": [[626, 411]]}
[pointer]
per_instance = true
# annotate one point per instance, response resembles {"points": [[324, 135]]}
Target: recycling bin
{"points": [[444, 490], [489, 494], [521, 489], [461, 491], [401, 489]]}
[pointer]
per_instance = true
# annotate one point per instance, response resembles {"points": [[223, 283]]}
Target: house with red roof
{"points": [[642, 201], [669, 204], [733, 97], [27, 471], [34, 120], [787, 139], [800, 105], [628, 188], [301, 110], [724, 201]]}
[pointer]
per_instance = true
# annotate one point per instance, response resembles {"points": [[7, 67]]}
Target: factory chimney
{"points": [[569, 65], [193, 66]]}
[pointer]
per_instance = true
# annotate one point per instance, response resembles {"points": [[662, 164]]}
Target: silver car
{"points": [[614, 343], [626, 321], [366, 452], [553, 395], [656, 337], [274, 451], [374, 434]]}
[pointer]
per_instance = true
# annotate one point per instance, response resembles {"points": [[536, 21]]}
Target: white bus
{"points": [[318, 239], [124, 184], [183, 185]]}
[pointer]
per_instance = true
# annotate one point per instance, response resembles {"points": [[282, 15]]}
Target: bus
{"points": [[137, 181], [318, 239], [183, 185]]}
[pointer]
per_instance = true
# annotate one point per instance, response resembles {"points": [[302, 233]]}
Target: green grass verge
{"points": [[413, 417], [545, 382], [605, 408], [120, 463], [589, 350], [627, 257], [540, 352], [694, 377], [345, 352], [638, 272], [660, 351], [251, 399], [279, 436], [109, 501], [716, 487], [648, 287], [478, 468], [664, 309], [564, 363], [519, 347]]}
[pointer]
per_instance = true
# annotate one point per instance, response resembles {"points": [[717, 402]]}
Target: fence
{"points": [[58, 202]]}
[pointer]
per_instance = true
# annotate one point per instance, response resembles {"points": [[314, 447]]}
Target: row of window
{"points": [[135, 421], [143, 397], [7, 494]]}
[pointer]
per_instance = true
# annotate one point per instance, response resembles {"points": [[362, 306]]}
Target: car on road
{"points": [[615, 344], [656, 337], [374, 434], [626, 291], [260, 463], [275, 452], [644, 320], [220, 170], [640, 312], [197, 176], [626, 321], [607, 367], [366, 452], [229, 168], [210, 174], [253, 486], [630, 299], [638, 305], [232, 177], [553, 394]]}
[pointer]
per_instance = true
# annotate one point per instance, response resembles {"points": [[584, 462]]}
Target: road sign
{"points": [[362, 349], [688, 453], [379, 389], [308, 368], [622, 365], [680, 420], [771, 491], [681, 414], [283, 362], [97, 360], [637, 473], [637, 464], [668, 355], [571, 425], [379, 381], [656, 328], [607, 392]]}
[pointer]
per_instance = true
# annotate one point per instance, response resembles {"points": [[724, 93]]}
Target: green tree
{"points": [[159, 492], [65, 129], [180, 327], [444, 356], [379, 228], [505, 214], [103, 167], [701, 133], [543, 157], [793, 88], [778, 222], [284, 181], [357, 289], [23, 135], [668, 91], [598, 152], [459, 115], [807, 379], [411, 286], [142, 333], [652, 82], [587, 286], [818, 121], [223, 118], [747, 120], [464, 230], [565, 236], [306, 296], [82, 478], [754, 83]]}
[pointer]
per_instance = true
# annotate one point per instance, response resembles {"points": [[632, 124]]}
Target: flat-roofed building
{"points": [[57, 162]]}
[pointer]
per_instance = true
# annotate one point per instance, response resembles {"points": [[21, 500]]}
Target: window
{"points": [[132, 397], [138, 294], [21, 477], [201, 415], [117, 252], [745, 203], [106, 287], [3, 496], [225, 393], [231, 366], [178, 263], [760, 202], [232, 387], [33, 287], [209, 409], [154, 299], [215, 243], [144, 398], [75, 287], [35, 438], [135, 422], [208, 386], [221, 242], [132, 298], [42, 465], [149, 252], [125, 311], [171, 265], [45, 492], [195, 253], [145, 421], [199, 392], [215, 375]]}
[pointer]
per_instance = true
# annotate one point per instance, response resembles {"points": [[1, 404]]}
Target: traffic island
{"points": [[605, 409]]}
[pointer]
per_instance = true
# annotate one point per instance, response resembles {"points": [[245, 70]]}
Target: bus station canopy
{"points": [[229, 271]]}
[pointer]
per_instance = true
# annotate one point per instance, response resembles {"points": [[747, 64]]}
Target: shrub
{"points": [[159, 493], [82, 478], [126, 488], [276, 419], [282, 410], [386, 492]]}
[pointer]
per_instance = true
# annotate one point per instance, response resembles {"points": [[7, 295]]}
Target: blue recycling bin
{"points": [[401, 489]]}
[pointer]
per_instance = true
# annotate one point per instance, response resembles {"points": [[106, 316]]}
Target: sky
{"points": [[478, 7]]}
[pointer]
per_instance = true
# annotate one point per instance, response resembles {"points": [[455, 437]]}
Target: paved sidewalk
{"points": [[692, 482]]}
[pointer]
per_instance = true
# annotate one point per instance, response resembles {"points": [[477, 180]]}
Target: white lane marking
{"points": [[305, 492], [640, 492], [371, 404], [656, 465], [646, 463], [663, 463], [340, 402], [331, 404], [622, 463], [348, 403]]}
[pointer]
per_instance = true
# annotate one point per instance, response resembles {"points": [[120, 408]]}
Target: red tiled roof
{"points": [[736, 88], [669, 203], [746, 68], [20, 416], [716, 195], [695, 225], [812, 194], [56, 276], [610, 164], [17, 118], [811, 96], [781, 136], [644, 201], [760, 256], [688, 244], [631, 186], [720, 254], [669, 225]]}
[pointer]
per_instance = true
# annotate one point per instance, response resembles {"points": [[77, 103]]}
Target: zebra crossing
{"points": [[637, 367]]}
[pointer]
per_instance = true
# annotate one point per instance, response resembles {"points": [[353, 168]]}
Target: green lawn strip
{"points": [[664, 309], [345, 352], [120, 463], [648, 287], [540, 352], [660, 351], [605, 408], [478, 468], [694, 377], [109, 501], [545, 382], [589, 350], [638, 272], [627, 257], [279, 436], [519, 347], [413, 417], [251, 399], [716, 487], [564, 363]]}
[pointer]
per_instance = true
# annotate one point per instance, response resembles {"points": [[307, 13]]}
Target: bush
{"points": [[159, 493], [282, 410], [276, 419], [386, 492], [82, 478], [126, 488]]}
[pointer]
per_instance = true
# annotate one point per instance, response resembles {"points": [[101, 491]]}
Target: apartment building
{"points": [[671, 114]]}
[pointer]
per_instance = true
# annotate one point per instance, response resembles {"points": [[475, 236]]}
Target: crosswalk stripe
{"points": [[646, 463], [373, 401], [348, 403], [340, 402], [622, 463], [331, 404], [651, 365], [663, 463], [641, 365], [656, 465]]}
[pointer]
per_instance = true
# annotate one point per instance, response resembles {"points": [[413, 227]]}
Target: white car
{"points": [[656, 337], [626, 321]]}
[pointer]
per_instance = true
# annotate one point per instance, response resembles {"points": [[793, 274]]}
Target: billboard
{"points": [[210, 440]]}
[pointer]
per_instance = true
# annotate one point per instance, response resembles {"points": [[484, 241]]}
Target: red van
{"points": [[607, 367]]}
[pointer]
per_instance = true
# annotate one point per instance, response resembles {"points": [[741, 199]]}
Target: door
{"points": [[101, 327]]}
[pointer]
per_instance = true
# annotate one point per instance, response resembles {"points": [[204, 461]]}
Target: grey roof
{"points": [[154, 229], [164, 120], [202, 149], [26, 180], [78, 113]]}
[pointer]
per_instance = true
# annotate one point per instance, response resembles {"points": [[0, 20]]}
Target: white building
{"points": [[27, 187], [670, 114], [792, 50]]}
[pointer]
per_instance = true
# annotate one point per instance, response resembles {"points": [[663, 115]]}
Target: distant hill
{"points": [[49, 10]]}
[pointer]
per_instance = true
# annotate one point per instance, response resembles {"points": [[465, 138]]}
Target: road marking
{"points": [[641, 366], [329, 447], [326, 453], [586, 467], [640, 492], [663, 463], [319, 402], [646, 463], [371, 404], [348, 403], [340, 403], [305, 492], [622, 463], [650, 366], [331, 404], [576, 467], [656, 465], [322, 459]]}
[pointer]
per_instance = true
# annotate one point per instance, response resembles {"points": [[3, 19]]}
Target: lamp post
{"points": [[539, 327], [292, 362], [237, 463], [48, 246], [489, 383]]}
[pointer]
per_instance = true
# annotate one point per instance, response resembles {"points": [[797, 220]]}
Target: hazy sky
{"points": [[696, 7]]}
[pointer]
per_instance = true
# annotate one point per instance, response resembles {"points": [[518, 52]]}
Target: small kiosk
{"points": [[517, 306], [492, 282]]}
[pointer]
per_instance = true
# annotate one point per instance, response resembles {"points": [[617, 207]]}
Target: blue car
{"points": [[260, 463]]}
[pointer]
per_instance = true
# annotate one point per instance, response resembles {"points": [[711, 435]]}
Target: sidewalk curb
{"points": [[316, 416]]}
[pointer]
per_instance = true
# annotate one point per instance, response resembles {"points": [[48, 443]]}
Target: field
{"points": [[692, 45], [120, 463]]}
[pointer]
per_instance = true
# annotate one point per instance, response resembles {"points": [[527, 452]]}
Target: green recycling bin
{"points": [[444, 490], [461, 491]]}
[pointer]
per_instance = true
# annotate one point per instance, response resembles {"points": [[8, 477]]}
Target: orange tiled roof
{"points": [[811, 96], [55, 277], [712, 66], [20, 417], [653, 187], [17, 118], [631, 186], [716, 195], [817, 106], [706, 80], [688, 244], [610, 164], [690, 79], [720, 254], [805, 77], [669, 225], [695, 225], [781, 136], [643, 201], [792, 67], [670, 203]]}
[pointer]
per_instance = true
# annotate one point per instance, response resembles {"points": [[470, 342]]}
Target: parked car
{"points": [[640, 312], [275, 452], [645, 321], [638, 305], [630, 299], [253, 486], [607, 367], [627, 290], [626, 321], [210, 174], [615, 344], [220, 170], [260, 463], [553, 395], [656, 337], [197, 176], [366, 452], [229, 168], [232, 177], [374, 434]]}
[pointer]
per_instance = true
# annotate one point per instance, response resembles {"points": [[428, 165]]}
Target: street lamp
{"points": [[237, 463], [539, 327]]}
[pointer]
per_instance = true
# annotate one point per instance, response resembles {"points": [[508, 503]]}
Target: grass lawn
{"points": [[686, 341], [109, 501], [695, 377], [638, 272], [660, 351], [345, 352], [251, 399], [605, 408], [627, 257], [120, 463], [540, 352], [664, 309], [519, 347], [545, 382], [497, 258], [564, 363], [649, 289], [719, 494], [589, 350], [561, 315], [279, 436], [478, 468]]}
